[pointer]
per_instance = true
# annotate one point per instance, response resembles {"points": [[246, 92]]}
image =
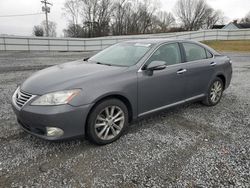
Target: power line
{"points": [[17, 15]]}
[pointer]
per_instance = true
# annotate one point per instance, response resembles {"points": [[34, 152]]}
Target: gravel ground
{"points": [[187, 146]]}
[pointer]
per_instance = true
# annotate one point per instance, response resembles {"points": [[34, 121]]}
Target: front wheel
{"points": [[215, 92], [107, 121]]}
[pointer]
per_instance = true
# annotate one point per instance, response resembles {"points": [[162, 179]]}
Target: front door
{"points": [[163, 87]]}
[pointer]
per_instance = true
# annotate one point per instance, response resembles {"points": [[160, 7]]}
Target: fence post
{"points": [[48, 45], [28, 41], [84, 45], [4, 44], [68, 45]]}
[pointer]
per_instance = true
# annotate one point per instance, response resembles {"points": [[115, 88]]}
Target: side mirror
{"points": [[156, 65]]}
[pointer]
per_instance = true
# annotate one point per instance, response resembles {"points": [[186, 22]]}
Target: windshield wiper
{"points": [[86, 59], [99, 63]]}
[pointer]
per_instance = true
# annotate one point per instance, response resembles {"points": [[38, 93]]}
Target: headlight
{"points": [[56, 98]]}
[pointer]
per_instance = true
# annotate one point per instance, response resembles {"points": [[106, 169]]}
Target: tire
{"points": [[214, 95], [107, 121]]}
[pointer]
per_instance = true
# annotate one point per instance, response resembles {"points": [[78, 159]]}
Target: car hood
{"points": [[67, 76]]}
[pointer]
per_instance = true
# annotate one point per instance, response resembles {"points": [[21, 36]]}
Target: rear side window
{"points": [[194, 52]]}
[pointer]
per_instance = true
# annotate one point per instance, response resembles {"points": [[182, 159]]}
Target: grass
{"points": [[229, 45]]}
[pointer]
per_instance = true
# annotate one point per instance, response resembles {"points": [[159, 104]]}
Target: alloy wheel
{"points": [[216, 91], [109, 122]]}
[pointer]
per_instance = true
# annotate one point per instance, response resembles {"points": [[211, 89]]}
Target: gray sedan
{"points": [[100, 96]]}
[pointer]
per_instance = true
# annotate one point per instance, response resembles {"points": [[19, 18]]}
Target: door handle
{"points": [[213, 64], [181, 71]]}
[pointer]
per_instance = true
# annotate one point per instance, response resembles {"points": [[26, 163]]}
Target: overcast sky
{"points": [[232, 9]]}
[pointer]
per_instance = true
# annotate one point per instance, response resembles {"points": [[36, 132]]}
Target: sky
{"points": [[23, 26]]}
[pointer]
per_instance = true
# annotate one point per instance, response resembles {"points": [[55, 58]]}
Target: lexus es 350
{"points": [[99, 96]]}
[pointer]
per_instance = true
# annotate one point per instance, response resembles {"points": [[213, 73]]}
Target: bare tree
{"points": [[132, 17], [164, 20], [213, 18], [193, 14], [96, 16], [72, 10], [52, 28], [104, 16], [146, 11], [74, 30], [246, 19], [118, 21], [38, 31], [92, 18]]}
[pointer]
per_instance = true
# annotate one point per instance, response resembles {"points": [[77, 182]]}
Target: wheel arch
{"points": [[223, 78], [120, 97]]}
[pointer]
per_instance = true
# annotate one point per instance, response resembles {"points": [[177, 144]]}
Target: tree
{"points": [[96, 16], [51, 29], [74, 30], [146, 11], [164, 21], [72, 10], [118, 17], [118, 20], [38, 31], [246, 19], [132, 17], [195, 14], [213, 18]]}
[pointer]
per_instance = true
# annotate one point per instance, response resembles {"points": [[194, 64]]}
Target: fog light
{"points": [[54, 132]]}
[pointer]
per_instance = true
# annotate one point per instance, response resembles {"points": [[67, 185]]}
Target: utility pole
{"points": [[46, 9]]}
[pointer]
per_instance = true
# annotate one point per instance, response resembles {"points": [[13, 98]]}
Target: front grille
{"points": [[20, 98]]}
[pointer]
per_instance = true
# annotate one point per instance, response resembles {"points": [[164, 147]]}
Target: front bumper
{"points": [[35, 119]]}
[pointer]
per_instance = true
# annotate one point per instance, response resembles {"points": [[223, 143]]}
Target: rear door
{"points": [[200, 66]]}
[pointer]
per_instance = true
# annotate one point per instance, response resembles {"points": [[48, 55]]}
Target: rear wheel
{"points": [[107, 121], [214, 93]]}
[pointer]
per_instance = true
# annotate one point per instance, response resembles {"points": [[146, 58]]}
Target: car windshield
{"points": [[123, 54]]}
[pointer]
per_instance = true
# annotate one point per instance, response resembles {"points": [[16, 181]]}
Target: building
{"points": [[234, 25], [218, 26]]}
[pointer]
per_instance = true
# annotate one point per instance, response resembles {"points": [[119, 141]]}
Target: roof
{"points": [[218, 26], [154, 40], [233, 25], [164, 40]]}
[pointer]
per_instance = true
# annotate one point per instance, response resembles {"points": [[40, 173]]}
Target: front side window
{"points": [[123, 54], [209, 54], [169, 53], [194, 52]]}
